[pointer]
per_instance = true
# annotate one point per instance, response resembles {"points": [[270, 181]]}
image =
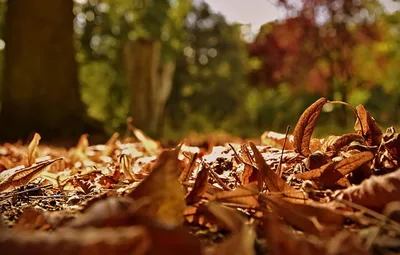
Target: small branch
{"points": [[283, 148]]}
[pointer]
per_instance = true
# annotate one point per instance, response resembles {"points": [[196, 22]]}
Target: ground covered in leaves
{"points": [[284, 194]]}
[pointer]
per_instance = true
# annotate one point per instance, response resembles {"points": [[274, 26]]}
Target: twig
{"points": [[283, 149], [216, 177], [239, 158]]}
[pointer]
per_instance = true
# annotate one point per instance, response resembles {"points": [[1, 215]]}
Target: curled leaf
{"points": [[372, 132], [375, 192], [345, 140], [20, 177], [124, 163], [305, 127], [330, 173], [32, 149], [152, 147]]}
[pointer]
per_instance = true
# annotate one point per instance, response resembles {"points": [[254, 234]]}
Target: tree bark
{"points": [[40, 87], [150, 83]]}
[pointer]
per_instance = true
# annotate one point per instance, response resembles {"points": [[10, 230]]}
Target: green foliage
{"points": [[102, 29], [210, 75]]}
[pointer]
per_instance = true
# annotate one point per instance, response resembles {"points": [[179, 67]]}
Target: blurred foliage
{"points": [[210, 75], [102, 28], [345, 50]]}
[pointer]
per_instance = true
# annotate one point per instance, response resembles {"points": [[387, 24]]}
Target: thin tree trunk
{"points": [[150, 83], [40, 87]]}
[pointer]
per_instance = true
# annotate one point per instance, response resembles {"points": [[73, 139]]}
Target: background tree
{"points": [[145, 36], [211, 74], [40, 87], [313, 48]]}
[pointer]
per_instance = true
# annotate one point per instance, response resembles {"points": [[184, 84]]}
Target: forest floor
{"points": [[281, 194]]}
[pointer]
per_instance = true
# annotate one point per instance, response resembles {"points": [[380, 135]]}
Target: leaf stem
{"points": [[354, 111]]}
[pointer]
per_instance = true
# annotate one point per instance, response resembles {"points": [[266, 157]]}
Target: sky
{"points": [[258, 12]]}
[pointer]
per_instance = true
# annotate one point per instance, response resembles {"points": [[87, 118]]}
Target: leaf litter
{"points": [[284, 194]]}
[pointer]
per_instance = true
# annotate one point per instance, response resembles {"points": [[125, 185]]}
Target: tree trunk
{"points": [[150, 83], [40, 87]]}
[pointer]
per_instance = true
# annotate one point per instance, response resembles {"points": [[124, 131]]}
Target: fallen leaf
{"points": [[111, 145], [245, 196], [20, 177], [276, 140], [305, 127], [124, 163], [372, 132], [187, 171], [282, 240], [97, 214], [32, 219], [375, 192], [163, 189], [199, 187], [241, 240], [32, 149], [345, 140], [250, 173], [310, 219], [329, 174], [272, 180], [152, 147], [77, 154]]}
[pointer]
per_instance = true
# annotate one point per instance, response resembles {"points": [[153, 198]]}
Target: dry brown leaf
{"points": [[163, 189], [250, 173], [245, 196], [372, 132], [282, 240], [32, 219], [152, 147], [345, 243], [85, 185], [97, 214], [187, 171], [276, 140], [5, 163], [311, 219], [344, 140], [329, 174], [272, 180], [111, 145], [32, 149], [305, 127], [375, 192], [131, 240], [119, 212], [20, 177], [77, 154], [199, 188], [241, 241], [124, 163]]}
